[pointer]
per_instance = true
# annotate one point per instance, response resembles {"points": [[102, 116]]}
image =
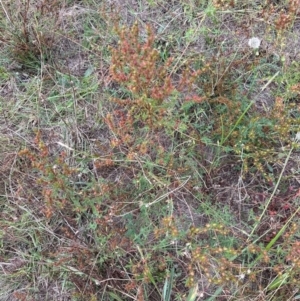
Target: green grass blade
{"points": [[168, 286], [193, 293]]}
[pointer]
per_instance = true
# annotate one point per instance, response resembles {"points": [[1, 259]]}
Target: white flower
{"points": [[297, 137], [254, 43]]}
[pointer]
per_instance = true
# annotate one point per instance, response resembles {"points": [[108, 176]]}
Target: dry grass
{"points": [[147, 152]]}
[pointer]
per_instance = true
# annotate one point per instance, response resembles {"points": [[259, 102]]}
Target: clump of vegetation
{"points": [[29, 30], [154, 161]]}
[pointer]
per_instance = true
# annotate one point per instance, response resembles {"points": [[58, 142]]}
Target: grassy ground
{"points": [[149, 150]]}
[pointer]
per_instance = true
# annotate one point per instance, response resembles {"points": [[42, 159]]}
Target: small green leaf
{"points": [[206, 140], [193, 293], [278, 281], [88, 71], [114, 296]]}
